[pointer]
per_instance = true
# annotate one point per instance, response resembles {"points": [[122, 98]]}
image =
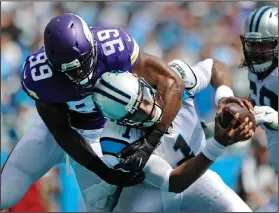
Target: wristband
{"points": [[212, 149], [221, 92], [154, 138]]}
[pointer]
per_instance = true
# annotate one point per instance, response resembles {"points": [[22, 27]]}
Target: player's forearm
{"points": [[187, 173], [171, 93], [221, 75], [169, 85], [56, 119], [76, 147]]}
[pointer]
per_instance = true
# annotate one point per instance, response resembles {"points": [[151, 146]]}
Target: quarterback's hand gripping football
{"points": [[135, 156], [229, 135], [266, 114], [242, 102]]}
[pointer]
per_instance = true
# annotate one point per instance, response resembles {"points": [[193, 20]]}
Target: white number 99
{"points": [[44, 70]]}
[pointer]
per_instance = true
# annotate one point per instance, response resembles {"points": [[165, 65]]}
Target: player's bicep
{"points": [[154, 71]]}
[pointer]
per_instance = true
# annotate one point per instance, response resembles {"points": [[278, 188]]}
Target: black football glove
{"points": [[135, 156]]}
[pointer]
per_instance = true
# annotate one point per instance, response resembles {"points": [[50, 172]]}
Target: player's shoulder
{"points": [[30, 77], [40, 82], [117, 49], [104, 33]]}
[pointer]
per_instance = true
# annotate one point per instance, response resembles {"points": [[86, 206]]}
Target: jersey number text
{"points": [[43, 71], [109, 45]]}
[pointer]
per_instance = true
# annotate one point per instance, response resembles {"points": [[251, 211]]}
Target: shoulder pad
{"points": [[35, 70], [117, 49]]}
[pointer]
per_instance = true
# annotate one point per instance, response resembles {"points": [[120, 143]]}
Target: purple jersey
{"points": [[117, 50]]}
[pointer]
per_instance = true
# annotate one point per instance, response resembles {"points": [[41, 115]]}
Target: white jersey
{"points": [[265, 93], [183, 141]]}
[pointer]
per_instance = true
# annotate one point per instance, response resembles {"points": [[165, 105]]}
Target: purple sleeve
{"points": [[26, 80], [132, 49]]}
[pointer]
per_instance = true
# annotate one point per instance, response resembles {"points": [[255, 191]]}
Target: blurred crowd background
{"points": [[191, 31]]}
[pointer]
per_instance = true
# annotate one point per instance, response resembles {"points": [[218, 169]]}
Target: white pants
{"points": [[35, 154], [208, 194]]}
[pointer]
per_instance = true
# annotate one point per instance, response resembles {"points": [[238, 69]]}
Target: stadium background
{"points": [[191, 31]]}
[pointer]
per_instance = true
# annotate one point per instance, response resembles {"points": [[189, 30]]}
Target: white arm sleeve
{"points": [[157, 172], [197, 77], [203, 71]]}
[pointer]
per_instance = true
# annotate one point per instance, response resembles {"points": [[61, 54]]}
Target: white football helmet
{"points": [[260, 40], [127, 99]]}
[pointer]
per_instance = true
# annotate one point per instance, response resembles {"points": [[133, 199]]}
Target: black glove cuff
{"points": [[154, 138]]}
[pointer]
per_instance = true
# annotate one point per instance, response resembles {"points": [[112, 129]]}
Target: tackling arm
{"points": [[170, 86], [55, 116]]}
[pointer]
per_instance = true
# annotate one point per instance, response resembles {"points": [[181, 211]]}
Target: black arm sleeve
{"points": [[56, 118]]}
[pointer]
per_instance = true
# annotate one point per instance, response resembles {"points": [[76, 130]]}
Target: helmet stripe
{"points": [[255, 18], [97, 90], [251, 23], [260, 17], [106, 84]]}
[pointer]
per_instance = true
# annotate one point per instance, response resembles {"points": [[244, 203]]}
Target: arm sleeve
{"points": [[197, 77], [133, 49], [202, 71]]}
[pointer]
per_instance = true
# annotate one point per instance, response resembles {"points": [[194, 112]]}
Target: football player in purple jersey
{"points": [[77, 56], [60, 78]]}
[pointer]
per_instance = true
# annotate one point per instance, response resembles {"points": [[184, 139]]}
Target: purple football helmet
{"points": [[70, 48]]}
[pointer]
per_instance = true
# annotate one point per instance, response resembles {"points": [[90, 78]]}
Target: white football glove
{"points": [[265, 114]]}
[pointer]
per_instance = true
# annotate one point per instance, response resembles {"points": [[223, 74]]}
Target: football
{"points": [[230, 110]]}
